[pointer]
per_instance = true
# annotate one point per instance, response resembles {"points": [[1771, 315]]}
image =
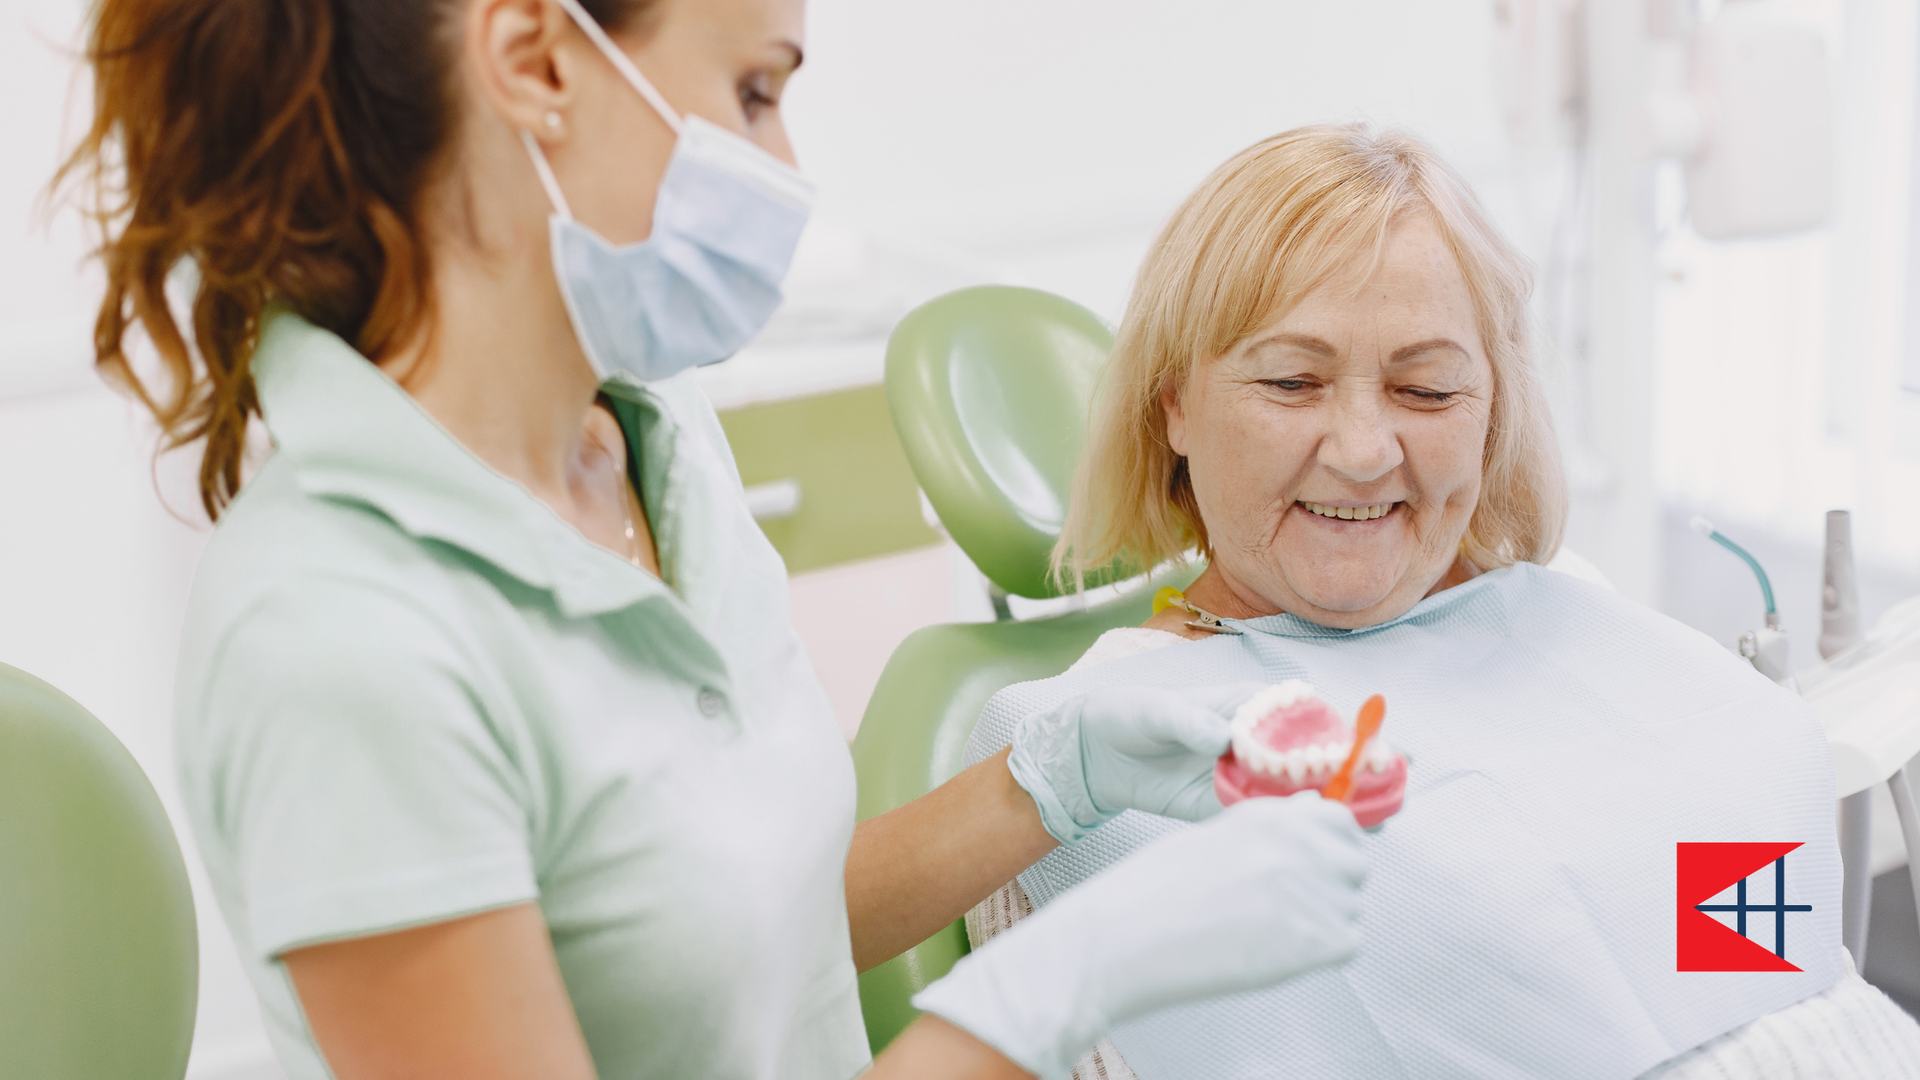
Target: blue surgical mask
{"points": [[725, 224]]}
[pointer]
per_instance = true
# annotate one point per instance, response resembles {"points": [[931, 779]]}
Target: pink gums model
{"points": [[1287, 740]]}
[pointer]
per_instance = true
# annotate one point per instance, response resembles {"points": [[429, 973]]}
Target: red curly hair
{"points": [[279, 149]]}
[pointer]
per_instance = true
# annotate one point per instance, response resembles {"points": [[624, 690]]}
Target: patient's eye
{"points": [[1421, 396], [1291, 386]]}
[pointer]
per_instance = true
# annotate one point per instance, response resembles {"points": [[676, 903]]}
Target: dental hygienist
{"points": [[503, 757]]}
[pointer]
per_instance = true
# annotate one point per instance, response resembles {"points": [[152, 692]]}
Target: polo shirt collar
{"points": [[350, 433]]}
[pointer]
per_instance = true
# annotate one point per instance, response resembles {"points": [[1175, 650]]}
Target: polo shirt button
{"points": [[711, 701]]}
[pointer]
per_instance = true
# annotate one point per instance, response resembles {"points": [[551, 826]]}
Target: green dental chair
{"points": [[989, 389], [99, 957]]}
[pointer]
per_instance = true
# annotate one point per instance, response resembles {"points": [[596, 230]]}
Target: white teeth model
{"points": [[1302, 762], [1349, 513]]}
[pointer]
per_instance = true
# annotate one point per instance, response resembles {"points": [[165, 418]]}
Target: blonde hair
{"points": [[1265, 229]]}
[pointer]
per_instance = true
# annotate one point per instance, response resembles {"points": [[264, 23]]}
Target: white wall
{"points": [[1053, 138]]}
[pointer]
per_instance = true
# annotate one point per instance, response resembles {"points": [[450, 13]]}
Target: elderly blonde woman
{"points": [[1324, 384]]}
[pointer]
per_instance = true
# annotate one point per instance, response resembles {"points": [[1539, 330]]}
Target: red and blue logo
{"points": [[1705, 943]]}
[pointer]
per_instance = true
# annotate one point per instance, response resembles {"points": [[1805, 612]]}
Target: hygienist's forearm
{"points": [[919, 867], [933, 1049]]}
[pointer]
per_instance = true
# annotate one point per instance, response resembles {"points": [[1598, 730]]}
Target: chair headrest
{"points": [[989, 388]]}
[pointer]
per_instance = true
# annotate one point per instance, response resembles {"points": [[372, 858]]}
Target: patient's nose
{"points": [[1360, 446]]}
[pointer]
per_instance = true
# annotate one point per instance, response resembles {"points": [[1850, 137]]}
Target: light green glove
{"points": [[1261, 893], [1127, 748]]}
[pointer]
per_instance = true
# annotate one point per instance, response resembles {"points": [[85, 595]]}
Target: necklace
{"points": [[627, 495], [627, 498]]}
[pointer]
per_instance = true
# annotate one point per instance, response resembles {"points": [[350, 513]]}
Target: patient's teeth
{"points": [[1348, 513]]}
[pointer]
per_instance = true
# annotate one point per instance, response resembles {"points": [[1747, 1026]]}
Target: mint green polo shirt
{"points": [[410, 692]]}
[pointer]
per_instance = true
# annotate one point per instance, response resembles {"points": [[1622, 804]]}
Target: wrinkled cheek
{"points": [[1466, 494], [1244, 469], [1444, 528], [1231, 494]]}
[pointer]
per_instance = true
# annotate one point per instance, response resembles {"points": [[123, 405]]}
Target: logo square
{"points": [[1704, 943]]}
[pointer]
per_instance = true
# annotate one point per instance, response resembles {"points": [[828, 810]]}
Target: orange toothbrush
{"points": [[1368, 725]]}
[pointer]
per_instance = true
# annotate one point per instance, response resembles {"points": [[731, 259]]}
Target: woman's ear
{"points": [[515, 51], [1176, 418]]}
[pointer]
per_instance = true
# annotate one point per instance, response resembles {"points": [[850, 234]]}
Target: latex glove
{"points": [[1136, 747], [1266, 890]]}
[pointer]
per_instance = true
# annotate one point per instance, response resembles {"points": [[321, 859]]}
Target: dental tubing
{"points": [[1705, 528], [1765, 648]]}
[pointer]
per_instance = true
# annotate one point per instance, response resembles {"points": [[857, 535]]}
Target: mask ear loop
{"points": [[621, 62], [547, 179]]}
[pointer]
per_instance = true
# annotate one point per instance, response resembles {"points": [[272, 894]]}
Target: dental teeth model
{"points": [[1286, 739]]}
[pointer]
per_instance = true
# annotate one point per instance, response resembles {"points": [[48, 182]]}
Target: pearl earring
{"points": [[553, 121]]}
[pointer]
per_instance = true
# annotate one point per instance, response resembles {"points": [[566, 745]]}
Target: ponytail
{"points": [[280, 149]]}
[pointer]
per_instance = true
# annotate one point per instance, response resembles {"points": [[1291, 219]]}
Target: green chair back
{"points": [[99, 957], [989, 389]]}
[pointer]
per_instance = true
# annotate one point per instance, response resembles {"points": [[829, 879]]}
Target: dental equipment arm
{"points": [[1268, 889]]}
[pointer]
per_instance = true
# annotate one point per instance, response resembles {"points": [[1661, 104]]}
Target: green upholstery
{"points": [[99, 958], [915, 731], [989, 389]]}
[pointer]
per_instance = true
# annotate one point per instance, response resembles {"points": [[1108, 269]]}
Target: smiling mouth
{"points": [[1347, 513]]}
